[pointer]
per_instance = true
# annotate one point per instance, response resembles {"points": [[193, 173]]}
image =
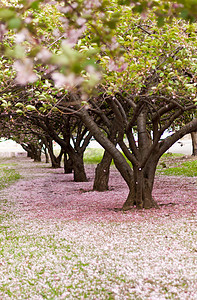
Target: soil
{"points": [[48, 193]]}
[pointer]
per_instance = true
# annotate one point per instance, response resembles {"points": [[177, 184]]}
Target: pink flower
{"points": [[2, 31], [92, 3], [25, 73], [44, 55], [73, 35], [66, 81], [120, 67], [81, 21]]}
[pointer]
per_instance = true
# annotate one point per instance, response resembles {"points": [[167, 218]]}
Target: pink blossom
{"points": [[117, 67], [2, 31], [89, 4], [44, 55], [73, 35], [114, 44], [81, 21], [66, 81], [25, 73]]}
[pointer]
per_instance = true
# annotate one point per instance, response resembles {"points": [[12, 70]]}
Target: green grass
{"points": [[93, 155], [172, 155], [8, 175], [188, 169]]}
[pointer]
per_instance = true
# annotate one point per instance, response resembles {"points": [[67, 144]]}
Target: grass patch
{"points": [[93, 155], [171, 155], [188, 169], [8, 175]]}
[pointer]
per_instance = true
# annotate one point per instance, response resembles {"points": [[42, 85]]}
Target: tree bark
{"points": [[140, 190], [36, 152], [55, 161], [194, 143], [29, 151], [68, 164], [78, 168], [119, 160], [102, 173], [46, 154]]}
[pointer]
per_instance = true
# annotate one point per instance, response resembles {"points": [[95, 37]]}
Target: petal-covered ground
{"points": [[60, 240]]}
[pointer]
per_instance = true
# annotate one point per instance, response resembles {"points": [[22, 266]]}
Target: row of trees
{"points": [[100, 69]]}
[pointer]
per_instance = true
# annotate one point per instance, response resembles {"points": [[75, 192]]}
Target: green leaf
{"points": [[19, 104], [19, 111], [6, 14], [35, 4], [160, 21], [14, 23], [124, 2], [30, 107]]}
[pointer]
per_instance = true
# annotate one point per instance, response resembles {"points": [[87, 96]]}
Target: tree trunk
{"points": [[103, 168], [29, 151], [37, 155], [102, 173], [141, 187], [194, 143], [55, 161], [140, 193], [55, 164], [68, 165], [119, 160], [46, 154], [36, 152], [29, 154], [78, 167]]}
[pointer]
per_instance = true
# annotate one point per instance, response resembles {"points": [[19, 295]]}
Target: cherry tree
{"points": [[154, 93], [30, 36], [144, 76]]}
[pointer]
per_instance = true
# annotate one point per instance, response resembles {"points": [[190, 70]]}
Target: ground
{"points": [[60, 240]]}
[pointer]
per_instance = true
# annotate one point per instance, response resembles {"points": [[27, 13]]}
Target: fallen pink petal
{"points": [[61, 240]]}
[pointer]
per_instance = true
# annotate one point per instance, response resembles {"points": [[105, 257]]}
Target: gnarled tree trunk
{"points": [[102, 173], [194, 143], [36, 151], [141, 187]]}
